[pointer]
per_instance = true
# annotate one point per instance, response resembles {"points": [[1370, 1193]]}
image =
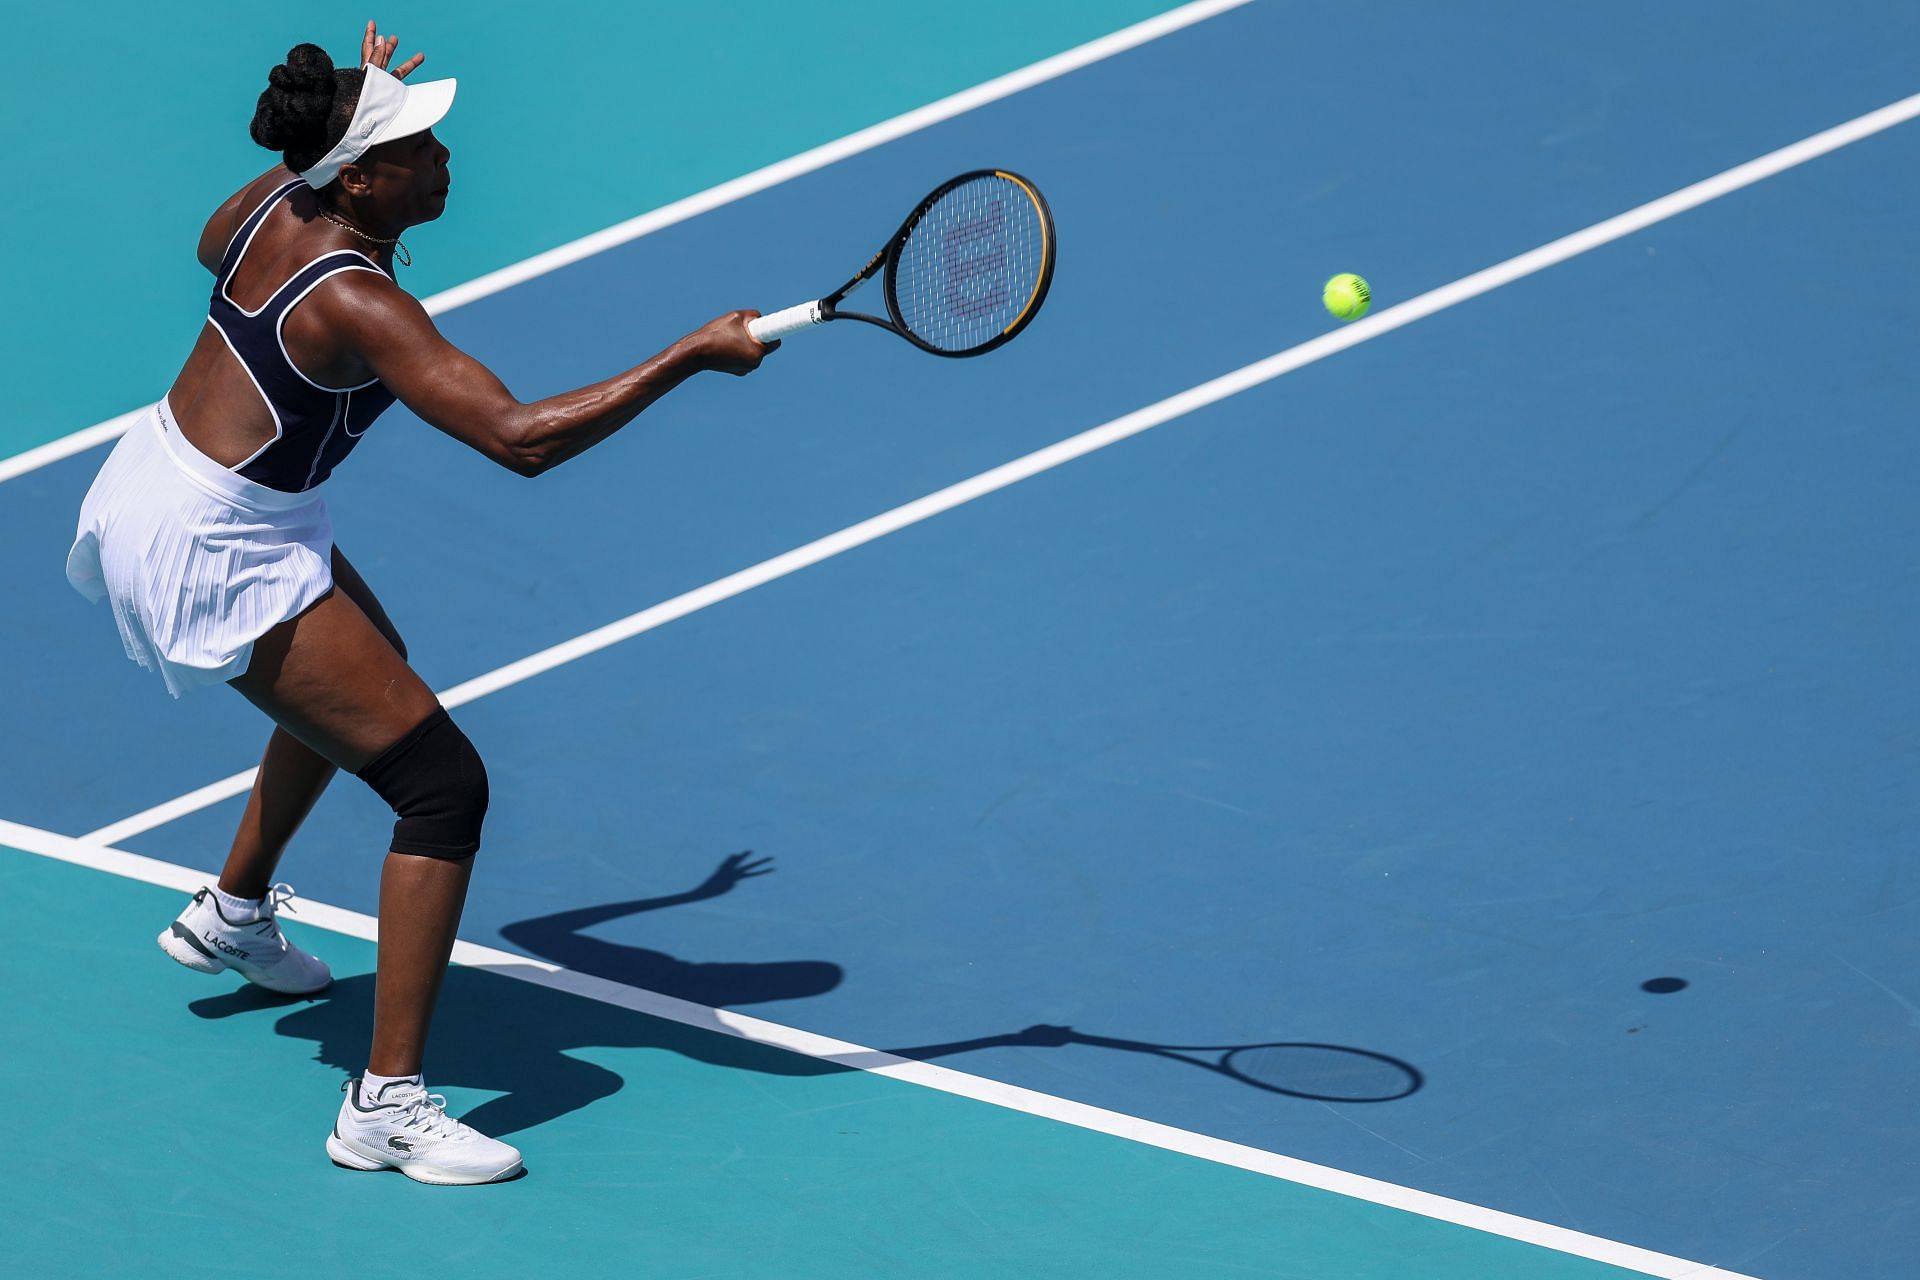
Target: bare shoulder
{"points": [[352, 320], [368, 304], [372, 288], [228, 217]]}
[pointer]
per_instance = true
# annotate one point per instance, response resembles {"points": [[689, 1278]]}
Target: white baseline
{"points": [[726, 193], [1099, 437], [945, 1079]]}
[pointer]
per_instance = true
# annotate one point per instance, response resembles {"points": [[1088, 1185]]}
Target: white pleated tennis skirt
{"points": [[198, 562]]}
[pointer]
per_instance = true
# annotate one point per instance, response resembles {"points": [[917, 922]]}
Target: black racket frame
{"points": [[889, 257]]}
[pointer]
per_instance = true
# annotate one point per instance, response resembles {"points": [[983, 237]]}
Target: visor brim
{"points": [[425, 106]]}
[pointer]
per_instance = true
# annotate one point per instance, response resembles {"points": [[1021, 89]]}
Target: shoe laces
{"points": [[278, 896], [427, 1112]]}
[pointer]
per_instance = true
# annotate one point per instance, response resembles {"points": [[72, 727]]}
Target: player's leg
{"points": [[335, 684], [291, 774], [420, 905]]}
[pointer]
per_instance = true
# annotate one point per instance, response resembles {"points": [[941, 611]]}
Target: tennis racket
{"points": [[965, 273]]}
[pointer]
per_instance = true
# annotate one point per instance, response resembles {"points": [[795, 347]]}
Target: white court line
{"points": [[843, 1053], [727, 192], [1100, 437], [67, 446]]}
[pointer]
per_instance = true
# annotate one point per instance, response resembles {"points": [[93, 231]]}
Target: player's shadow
{"points": [[494, 1031], [497, 1033]]}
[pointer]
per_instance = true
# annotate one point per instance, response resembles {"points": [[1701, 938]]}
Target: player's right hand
{"points": [[726, 346]]}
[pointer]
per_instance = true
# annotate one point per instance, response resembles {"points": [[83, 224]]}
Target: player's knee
{"points": [[436, 783]]}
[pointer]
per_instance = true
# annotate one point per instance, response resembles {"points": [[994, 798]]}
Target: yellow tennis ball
{"points": [[1347, 296]]}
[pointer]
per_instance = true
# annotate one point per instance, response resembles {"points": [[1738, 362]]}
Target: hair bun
{"points": [[291, 116]]}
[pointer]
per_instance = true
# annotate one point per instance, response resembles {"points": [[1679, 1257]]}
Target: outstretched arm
{"points": [[387, 332], [542, 934], [560, 936]]}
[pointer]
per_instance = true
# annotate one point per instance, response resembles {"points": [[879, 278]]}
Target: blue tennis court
{"points": [[1413, 713]]}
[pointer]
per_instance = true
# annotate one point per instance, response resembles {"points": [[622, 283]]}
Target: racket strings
{"points": [[971, 265]]}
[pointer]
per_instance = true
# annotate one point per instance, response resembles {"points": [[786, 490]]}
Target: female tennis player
{"points": [[207, 531]]}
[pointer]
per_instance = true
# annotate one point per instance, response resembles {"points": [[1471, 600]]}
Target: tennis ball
{"points": [[1347, 296]]}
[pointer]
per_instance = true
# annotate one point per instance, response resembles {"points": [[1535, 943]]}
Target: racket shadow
{"points": [[1307, 1070]]}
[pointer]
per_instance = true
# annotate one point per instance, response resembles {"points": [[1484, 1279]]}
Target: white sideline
{"points": [[945, 1079], [735, 189], [1100, 437], [67, 446]]}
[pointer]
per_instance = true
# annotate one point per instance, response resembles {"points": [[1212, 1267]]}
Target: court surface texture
{"points": [[1500, 708]]}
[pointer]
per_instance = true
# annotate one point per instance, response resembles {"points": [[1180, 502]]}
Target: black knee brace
{"points": [[435, 781]]}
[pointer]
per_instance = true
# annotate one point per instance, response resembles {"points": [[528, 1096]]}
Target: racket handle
{"points": [[781, 323]]}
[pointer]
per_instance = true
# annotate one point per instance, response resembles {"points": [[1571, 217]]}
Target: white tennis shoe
{"points": [[202, 938], [408, 1129]]}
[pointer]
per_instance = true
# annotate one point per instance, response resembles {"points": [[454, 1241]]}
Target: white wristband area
{"points": [[781, 323]]}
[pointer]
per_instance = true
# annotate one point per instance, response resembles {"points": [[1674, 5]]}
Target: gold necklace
{"points": [[400, 253]]}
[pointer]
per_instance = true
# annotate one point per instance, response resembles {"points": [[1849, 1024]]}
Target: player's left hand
{"points": [[379, 50]]}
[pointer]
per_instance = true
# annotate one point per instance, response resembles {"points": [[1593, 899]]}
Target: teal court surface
{"points": [[1430, 798]]}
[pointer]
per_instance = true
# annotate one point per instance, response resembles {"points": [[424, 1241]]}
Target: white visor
{"points": [[388, 108]]}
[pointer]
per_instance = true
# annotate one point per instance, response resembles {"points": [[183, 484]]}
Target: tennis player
{"points": [[207, 531]]}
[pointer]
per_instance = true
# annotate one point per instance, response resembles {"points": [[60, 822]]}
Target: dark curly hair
{"points": [[307, 106]]}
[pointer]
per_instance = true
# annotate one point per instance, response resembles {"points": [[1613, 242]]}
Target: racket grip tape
{"points": [[781, 323]]}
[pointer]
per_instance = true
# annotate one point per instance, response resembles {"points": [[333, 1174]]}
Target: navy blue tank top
{"points": [[314, 427]]}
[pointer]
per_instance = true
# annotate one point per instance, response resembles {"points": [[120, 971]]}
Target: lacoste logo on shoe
{"points": [[224, 945], [400, 1144]]}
